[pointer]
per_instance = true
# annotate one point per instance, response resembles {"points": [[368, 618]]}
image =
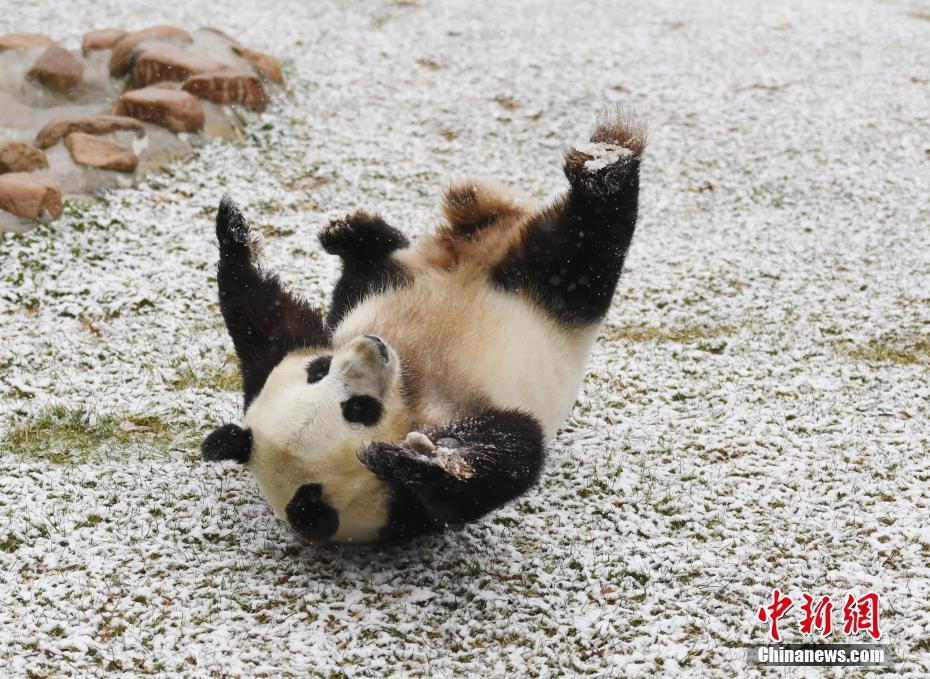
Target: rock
{"points": [[176, 110], [103, 39], [17, 156], [126, 48], [29, 195], [225, 87], [266, 65], [58, 69], [169, 62], [24, 41], [86, 149], [52, 133]]}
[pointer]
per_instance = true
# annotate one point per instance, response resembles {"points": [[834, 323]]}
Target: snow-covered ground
{"points": [[755, 413]]}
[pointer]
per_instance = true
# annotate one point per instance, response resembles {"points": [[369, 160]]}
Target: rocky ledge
{"points": [[74, 121]]}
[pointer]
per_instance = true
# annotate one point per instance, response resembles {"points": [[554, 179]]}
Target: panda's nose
{"points": [[380, 346]]}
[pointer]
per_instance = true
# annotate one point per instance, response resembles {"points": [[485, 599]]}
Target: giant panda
{"points": [[426, 395]]}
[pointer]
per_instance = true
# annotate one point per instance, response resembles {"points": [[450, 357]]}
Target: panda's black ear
{"points": [[310, 516], [229, 442]]}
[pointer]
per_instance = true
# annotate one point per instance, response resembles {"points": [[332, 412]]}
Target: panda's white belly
{"points": [[464, 336]]}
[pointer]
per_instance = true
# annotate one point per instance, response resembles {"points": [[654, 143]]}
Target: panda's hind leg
{"points": [[365, 243], [472, 206], [571, 253]]}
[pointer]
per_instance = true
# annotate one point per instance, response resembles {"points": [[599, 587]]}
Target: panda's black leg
{"points": [[263, 319], [572, 253], [365, 244], [463, 470]]}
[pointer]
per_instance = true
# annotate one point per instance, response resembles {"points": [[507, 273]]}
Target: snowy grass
{"points": [[755, 414], [60, 435], [906, 350]]}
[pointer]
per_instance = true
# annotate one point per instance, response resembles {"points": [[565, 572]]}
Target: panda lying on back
{"points": [[427, 395]]}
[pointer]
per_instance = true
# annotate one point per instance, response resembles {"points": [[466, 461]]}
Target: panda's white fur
{"points": [[469, 347], [462, 327]]}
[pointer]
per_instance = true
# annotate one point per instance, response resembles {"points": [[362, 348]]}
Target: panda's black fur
{"points": [[426, 396]]}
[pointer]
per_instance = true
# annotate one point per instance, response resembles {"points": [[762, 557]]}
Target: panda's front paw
{"points": [[361, 236], [377, 457], [404, 465]]}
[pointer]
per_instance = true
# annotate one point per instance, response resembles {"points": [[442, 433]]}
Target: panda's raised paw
{"points": [[361, 237]]}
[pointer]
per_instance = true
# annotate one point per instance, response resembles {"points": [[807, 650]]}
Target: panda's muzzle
{"points": [[380, 346], [366, 365]]}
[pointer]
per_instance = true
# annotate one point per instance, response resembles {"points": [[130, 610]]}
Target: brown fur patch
{"points": [[471, 206], [360, 216], [476, 255], [483, 221]]}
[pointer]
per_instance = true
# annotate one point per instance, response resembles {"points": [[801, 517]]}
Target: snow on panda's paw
{"points": [[455, 464], [601, 155], [445, 453], [601, 168], [417, 460], [607, 164], [419, 443]]}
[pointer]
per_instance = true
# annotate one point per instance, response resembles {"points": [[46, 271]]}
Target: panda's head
{"points": [[302, 433]]}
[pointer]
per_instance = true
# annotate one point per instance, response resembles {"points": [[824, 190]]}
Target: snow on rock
{"points": [[46, 89]]}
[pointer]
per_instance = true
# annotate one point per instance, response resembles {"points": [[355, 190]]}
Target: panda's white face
{"points": [[315, 412]]}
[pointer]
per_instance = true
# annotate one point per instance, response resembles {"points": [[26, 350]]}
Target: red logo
{"points": [[817, 616], [859, 615], [773, 612]]}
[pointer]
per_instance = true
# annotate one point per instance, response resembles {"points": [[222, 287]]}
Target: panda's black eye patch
{"points": [[362, 409], [318, 369]]}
